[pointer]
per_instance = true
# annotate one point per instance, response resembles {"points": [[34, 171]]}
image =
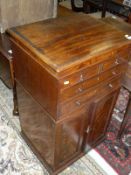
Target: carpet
{"points": [[118, 152], [16, 158]]}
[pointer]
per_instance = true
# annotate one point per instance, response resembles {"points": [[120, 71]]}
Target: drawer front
{"points": [[112, 63], [121, 56], [80, 88], [76, 103], [81, 76], [82, 100], [110, 86], [112, 73]]}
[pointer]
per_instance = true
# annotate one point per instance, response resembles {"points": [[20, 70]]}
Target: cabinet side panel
{"points": [[35, 79], [36, 125]]}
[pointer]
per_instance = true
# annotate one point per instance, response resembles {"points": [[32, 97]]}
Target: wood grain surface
{"points": [[64, 42]]}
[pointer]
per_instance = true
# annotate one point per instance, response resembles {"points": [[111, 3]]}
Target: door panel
{"points": [[99, 116], [70, 137]]}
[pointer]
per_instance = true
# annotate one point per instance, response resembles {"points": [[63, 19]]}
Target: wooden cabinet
{"points": [[67, 80]]}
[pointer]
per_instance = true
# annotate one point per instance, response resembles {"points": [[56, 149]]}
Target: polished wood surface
{"points": [[100, 113], [14, 13], [66, 78], [56, 42], [119, 24]]}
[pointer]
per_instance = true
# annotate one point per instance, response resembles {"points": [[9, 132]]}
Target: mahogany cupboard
{"points": [[67, 79]]}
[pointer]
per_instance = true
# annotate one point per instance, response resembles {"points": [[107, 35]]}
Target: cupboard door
{"points": [[69, 138], [99, 116]]}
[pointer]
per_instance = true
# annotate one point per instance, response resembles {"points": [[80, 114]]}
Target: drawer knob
{"points": [[110, 85], [78, 103], [117, 62], [114, 73], [66, 82], [81, 77], [10, 51], [80, 89], [88, 130]]}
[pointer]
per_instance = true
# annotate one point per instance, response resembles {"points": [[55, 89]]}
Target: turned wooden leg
{"points": [[15, 110]]}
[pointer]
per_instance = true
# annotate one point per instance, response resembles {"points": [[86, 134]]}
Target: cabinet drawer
{"points": [[81, 100], [112, 63], [77, 102], [79, 77], [82, 87], [110, 86], [78, 89], [112, 73]]}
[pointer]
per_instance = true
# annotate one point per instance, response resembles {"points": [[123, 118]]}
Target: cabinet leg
{"points": [[15, 110]]}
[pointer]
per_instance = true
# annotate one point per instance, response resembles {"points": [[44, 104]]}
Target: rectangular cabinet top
{"points": [[66, 41]]}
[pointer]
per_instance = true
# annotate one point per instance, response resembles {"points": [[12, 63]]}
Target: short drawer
{"points": [[80, 88], [77, 102], [78, 77], [110, 86], [112, 73], [112, 63]]}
